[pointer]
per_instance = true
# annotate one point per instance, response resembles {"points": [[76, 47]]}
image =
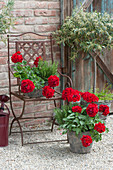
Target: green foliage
{"points": [[86, 31], [78, 122], [104, 94], [45, 69], [38, 75], [6, 18]]}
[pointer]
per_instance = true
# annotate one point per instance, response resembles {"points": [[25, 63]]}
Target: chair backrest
{"points": [[30, 49], [31, 45]]}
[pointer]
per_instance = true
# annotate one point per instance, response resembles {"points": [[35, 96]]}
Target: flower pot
{"points": [[76, 144], [36, 93]]}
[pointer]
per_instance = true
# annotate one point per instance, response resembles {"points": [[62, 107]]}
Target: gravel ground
{"points": [[50, 156]]}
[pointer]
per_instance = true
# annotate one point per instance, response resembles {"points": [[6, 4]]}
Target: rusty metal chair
{"points": [[30, 49]]}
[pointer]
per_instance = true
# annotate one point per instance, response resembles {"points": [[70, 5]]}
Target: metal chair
{"points": [[30, 49]]}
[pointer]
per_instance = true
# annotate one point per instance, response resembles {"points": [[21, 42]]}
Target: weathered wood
{"points": [[85, 5], [103, 66]]}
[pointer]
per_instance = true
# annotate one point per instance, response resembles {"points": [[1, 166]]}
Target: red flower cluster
{"points": [[27, 86], [53, 81], [17, 57], [99, 127], [76, 109], [37, 60], [92, 109], [70, 95], [48, 92], [86, 140], [104, 109], [89, 97]]}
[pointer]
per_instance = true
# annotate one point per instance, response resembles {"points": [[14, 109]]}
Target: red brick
{"points": [[22, 13], [5, 83], [35, 5], [3, 76], [2, 45], [41, 12], [19, 5], [36, 20], [19, 21], [54, 5], [3, 53], [45, 28], [3, 68], [52, 106], [46, 113], [3, 60], [54, 20], [23, 28]]}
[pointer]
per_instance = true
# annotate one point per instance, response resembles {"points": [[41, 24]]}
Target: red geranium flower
{"points": [[92, 109], [99, 127], [89, 97], [48, 92], [76, 109], [27, 86], [70, 95], [17, 57], [104, 109], [37, 60], [53, 81], [86, 140]]}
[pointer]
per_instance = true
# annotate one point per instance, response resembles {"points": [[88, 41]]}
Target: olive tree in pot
{"points": [[86, 31]]}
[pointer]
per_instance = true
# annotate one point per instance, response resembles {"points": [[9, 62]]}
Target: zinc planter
{"points": [[76, 144]]}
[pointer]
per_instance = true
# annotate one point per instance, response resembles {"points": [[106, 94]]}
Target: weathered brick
{"points": [[3, 76], [3, 60], [22, 28], [2, 45], [35, 5], [45, 28], [54, 5], [19, 5], [55, 20], [4, 68], [22, 13], [19, 21], [41, 12], [3, 53], [36, 20]]}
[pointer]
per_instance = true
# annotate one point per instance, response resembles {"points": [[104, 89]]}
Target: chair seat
{"points": [[26, 98]]}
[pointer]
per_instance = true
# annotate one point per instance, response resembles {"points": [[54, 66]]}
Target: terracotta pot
{"points": [[76, 144]]}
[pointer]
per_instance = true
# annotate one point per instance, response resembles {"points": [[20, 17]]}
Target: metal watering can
{"points": [[4, 121]]}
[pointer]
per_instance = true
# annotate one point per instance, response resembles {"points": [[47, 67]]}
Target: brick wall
{"points": [[37, 16]]}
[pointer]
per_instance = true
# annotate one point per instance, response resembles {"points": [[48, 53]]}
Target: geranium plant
{"points": [[34, 77], [82, 117]]}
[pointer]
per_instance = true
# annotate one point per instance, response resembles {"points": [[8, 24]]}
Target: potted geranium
{"points": [[81, 121], [34, 77]]}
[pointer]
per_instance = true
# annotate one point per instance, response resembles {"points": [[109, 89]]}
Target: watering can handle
{"points": [[7, 108]]}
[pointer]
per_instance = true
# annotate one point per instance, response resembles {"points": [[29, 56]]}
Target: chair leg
{"points": [[17, 119], [52, 125]]}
